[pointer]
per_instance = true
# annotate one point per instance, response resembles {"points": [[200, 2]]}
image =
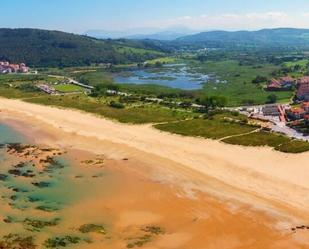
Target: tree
{"points": [[271, 99], [116, 105], [212, 102], [259, 79]]}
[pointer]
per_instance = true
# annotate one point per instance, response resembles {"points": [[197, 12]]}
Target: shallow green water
{"points": [[8, 135], [34, 200]]}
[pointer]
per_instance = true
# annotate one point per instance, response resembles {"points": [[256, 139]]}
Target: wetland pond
{"points": [[171, 75]]}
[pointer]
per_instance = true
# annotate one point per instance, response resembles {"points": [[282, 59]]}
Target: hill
{"points": [[266, 37], [54, 48]]}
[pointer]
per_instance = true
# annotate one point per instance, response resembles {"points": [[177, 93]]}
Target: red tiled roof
{"points": [[304, 80], [303, 89], [305, 105], [287, 79], [296, 122], [274, 84], [297, 110]]}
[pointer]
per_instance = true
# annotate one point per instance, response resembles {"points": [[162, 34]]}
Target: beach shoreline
{"points": [[259, 178]]}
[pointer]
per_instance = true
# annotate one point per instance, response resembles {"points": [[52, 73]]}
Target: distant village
{"points": [[301, 108], [291, 120], [6, 68]]}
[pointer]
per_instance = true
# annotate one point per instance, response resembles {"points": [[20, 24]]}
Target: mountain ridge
{"points": [[45, 48], [276, 36]]}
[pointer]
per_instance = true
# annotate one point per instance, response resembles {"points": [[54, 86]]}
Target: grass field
{"points": [[302, 68], [239, 89], [17, 79], [302, 63], [279, 142], [217, 127], [94, 78], [66, 88]]}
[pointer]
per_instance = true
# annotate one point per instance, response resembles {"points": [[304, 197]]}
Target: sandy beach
{"points": [[225, 187]]}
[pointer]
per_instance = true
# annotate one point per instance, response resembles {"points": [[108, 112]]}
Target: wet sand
{"points": [[201, 193]]}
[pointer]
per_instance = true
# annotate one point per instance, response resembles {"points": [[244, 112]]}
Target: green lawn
{"points": [[216, 127], [66, 88]]}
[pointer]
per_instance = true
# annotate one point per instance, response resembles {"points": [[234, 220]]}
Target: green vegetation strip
{"points": [[216, 127], [277, 141], [234, 131], [132, 114]]}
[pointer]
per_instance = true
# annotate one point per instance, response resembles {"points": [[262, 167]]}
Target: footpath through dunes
{"points": [[259, 176]]}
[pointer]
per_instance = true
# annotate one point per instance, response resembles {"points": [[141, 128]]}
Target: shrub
{"points": [[117, 105]]}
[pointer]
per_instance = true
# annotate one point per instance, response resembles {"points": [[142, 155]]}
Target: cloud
{"points": [[186, 18], [232, 21], [266, 16]]}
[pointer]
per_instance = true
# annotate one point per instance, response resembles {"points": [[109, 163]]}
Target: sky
{"points": [[77, 16]]}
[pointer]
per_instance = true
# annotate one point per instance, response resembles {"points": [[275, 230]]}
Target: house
{"points": [[306, 118], [14, 68], [287, 81], [23, 68], [303, 88], [281, 84], [271, 110], [274, 85], [296, 113], [47, 89], [6, 67], [305, 106]]}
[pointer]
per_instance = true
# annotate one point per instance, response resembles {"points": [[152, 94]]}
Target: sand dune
{"points": [[259, 176]]}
